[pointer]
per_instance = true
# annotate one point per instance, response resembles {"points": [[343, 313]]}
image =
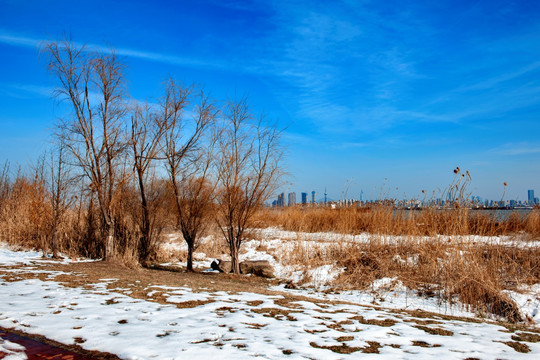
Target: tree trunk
{"points": [[145, 240], [190, 257], [43, 240], [55, 241], [109, 242], [235, 263]]}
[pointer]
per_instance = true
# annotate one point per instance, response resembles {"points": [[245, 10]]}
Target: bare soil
{"points": [[39, 347], [139, 282]]}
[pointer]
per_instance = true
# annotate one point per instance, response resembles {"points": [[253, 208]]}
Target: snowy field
{"points": [[198, 324], [387, 292]]}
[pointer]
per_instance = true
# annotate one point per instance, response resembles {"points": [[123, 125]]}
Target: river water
{"points": [[499, 214]]}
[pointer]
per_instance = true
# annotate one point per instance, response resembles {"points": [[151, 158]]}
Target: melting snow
{"points": [[247, 325]]}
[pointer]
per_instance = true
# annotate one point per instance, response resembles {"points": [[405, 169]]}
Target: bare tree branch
{"points": [[92, 84], [248, 172]]}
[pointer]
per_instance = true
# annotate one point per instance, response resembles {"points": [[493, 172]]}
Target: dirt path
{"points": [[39, 347], [135, 282]]}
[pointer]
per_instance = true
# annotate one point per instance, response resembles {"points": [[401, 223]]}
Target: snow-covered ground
{"points": [[12, 350], [331, 237], [193, 325], [386, 292]]}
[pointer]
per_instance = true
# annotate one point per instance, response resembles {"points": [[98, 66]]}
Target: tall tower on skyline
{"points": [[281, 200], [313, 193], [292, 199], [530, 196], [325, 198], [304, 198]]}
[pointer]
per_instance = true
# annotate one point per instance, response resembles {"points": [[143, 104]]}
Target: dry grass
{"points": [[384, 219], [519, 347], [424, 344], [453, 268], [474, 274], [372, 348], [525, 336]]}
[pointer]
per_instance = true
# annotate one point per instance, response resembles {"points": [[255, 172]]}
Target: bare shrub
{"points": [[25, 213], [476, 274], [211, 242], [532, 224], [189, 160], [147, 131], [4, 185], [248, 171]]}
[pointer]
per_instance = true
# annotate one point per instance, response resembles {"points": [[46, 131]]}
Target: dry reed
{"points": [[384, 219], [475, 271], [402, 245]]}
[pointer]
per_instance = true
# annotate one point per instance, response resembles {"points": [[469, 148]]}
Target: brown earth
{"points": [[138, 282], [38, 347]]}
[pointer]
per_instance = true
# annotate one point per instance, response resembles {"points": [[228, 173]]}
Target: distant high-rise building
{"points": [[304, 198], [313, 197], [281, 200], [530, 197], [292, 199]]}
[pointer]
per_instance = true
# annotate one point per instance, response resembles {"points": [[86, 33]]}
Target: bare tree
{"points": [[60, 182], [93, 86], [5, 189], [147, 131], [194, 197], [4, 184], [187, 162], [37, 196], [248, 171]]}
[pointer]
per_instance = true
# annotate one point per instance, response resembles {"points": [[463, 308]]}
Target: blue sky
{"points": [[384, 97]]}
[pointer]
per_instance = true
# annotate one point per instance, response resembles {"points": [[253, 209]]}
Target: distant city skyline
{"points": [[384, 97], [530, 198]]}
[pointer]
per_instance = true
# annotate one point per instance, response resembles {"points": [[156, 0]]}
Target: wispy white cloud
{"points": [[354, 145], [338, 67], [317, 51], [517, 149], [19, 40], [350, 66], [133, 53], [165, 58], [25, 91], [497, 80], [460, 104], [371, 70]]}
